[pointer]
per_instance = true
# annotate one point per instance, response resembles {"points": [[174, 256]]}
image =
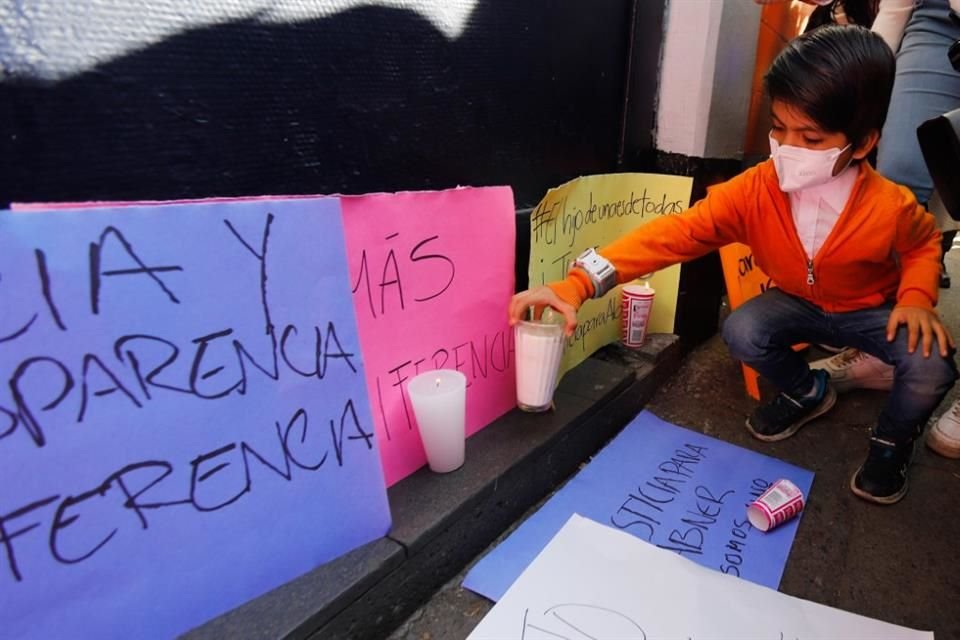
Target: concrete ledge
{"points": [[441, 522]]}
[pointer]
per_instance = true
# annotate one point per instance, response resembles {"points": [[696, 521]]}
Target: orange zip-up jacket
{"points": [[883, 247]]}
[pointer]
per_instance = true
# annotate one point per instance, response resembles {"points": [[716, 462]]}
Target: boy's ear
{"points": [[866, 145]]}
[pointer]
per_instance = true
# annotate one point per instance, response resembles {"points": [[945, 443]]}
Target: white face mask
{"points": [[800, 168]]}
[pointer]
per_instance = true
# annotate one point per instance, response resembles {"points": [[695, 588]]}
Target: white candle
{"points": [[439, 401], [539, 347]]}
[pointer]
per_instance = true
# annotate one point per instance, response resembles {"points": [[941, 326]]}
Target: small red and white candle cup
{"points": [[780, 502], [637, 304]]}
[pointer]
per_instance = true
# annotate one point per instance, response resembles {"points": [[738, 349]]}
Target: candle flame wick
{"points": [[438, 382]]}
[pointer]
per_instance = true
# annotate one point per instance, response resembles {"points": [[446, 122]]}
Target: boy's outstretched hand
{"points": [[921, 324], [540, 298]]}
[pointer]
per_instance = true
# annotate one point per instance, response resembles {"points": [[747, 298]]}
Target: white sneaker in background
{"points": [[854, 369], [944, 436]]}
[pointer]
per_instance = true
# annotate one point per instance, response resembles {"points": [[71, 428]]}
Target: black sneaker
{"points": [[882, 478], [784, 415]]}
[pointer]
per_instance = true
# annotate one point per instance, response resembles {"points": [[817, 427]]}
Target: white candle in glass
{"points": [[539, 347], [439, 400]]}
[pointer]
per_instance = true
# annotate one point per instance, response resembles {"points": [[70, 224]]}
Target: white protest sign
{"points": [[593, 581]]}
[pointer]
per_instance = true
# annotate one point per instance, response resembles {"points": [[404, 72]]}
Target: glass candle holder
{"points": [[538, 348]]}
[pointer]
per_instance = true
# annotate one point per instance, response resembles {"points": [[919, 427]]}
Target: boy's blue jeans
{"points": [[762, 332]]}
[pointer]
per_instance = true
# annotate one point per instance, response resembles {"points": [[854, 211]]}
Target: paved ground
{"points": [[899, 563]]}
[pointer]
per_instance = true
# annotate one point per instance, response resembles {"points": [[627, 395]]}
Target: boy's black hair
{"points": [[839, 77]]}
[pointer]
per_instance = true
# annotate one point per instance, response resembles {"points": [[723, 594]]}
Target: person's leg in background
{"points": [[926, 86], [944, 435], [945, 243], [948, 227]]}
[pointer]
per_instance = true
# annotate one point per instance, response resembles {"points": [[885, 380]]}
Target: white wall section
{"points": [[706, 75]]}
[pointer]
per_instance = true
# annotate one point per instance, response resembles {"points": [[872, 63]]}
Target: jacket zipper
{"points": [[810, 279]]}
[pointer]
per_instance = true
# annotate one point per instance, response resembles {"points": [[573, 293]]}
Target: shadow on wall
{"points": [[372, 99]]}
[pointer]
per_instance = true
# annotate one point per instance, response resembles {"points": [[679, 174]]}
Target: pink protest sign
{"points": [[432, 274]]}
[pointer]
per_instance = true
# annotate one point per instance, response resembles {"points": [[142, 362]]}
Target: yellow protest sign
{"points": [[745, 280], [592, 211]]}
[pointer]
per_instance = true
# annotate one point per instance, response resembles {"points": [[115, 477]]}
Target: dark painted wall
{"points": [[372, 99], [531, 94]]}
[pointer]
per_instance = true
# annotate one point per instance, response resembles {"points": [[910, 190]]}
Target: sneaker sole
{"points": [[829, 400], [943, 447], [885, 500]]}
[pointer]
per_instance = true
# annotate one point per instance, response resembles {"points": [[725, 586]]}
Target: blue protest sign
{"points": [[676, 488], [184, 420]]}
